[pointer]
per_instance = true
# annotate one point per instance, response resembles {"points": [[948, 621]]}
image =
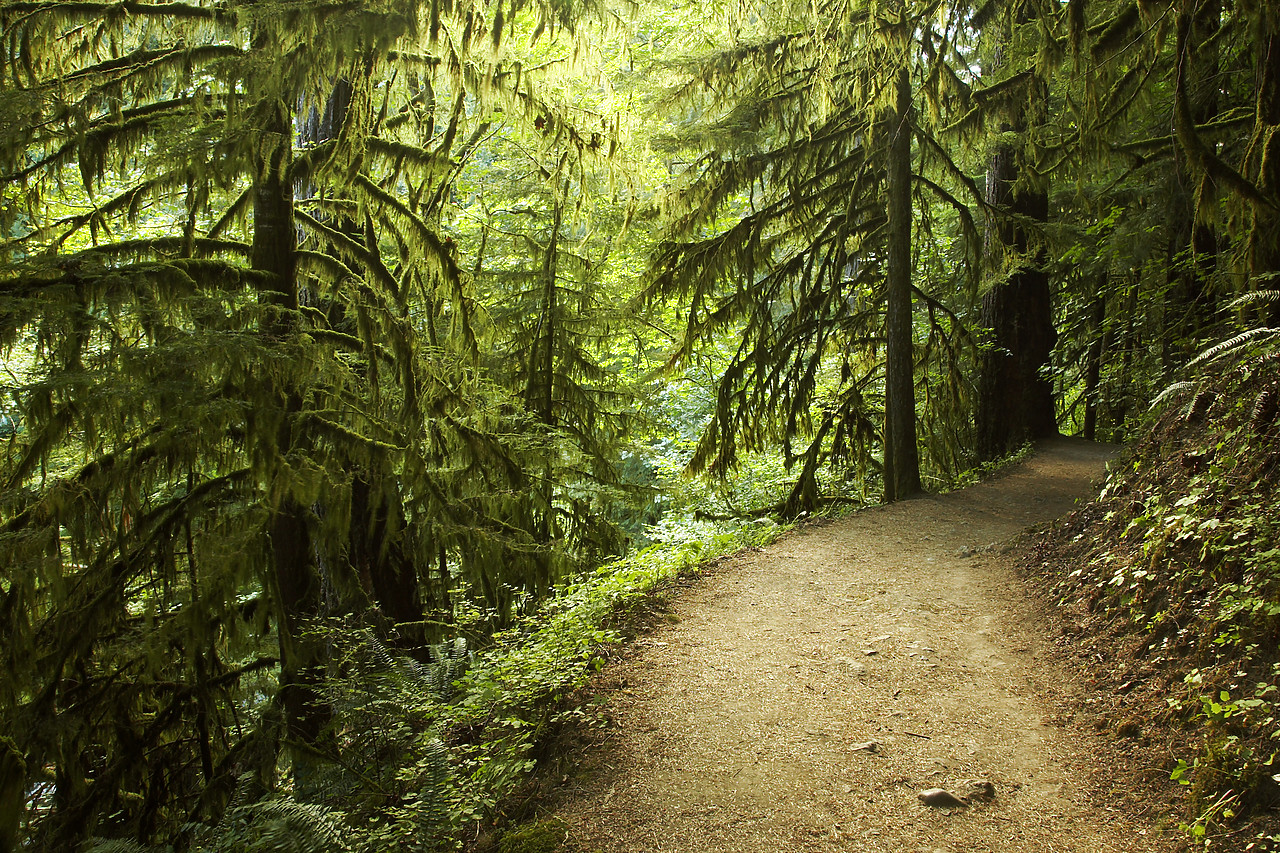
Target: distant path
{"points": [[737, 728]]}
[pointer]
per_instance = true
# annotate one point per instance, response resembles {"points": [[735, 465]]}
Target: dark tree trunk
{"points": [[295, 580], [540, 391], [377, 553], [376, 545], [901, 457], [1265, 232], [540, 395], [1093, 369], [1015, 401], [1193, 242], [302, 660], [13, 794]]}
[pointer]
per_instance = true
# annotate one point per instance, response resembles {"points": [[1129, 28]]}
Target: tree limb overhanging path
{"points": [[809, 691]]}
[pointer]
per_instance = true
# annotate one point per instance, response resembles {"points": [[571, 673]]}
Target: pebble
{"points": [[854, 667], [979, 789], [940, 798]]}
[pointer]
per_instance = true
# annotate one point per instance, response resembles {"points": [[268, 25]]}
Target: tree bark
{"points": [[1264, 236], [13, 789], [375, 534], [295, 579], [1093, 370], [1015, 401], [901, 457], [376, 551], [1193, 241]]}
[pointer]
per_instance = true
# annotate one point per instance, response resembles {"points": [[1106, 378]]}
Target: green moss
{"points": [[543, 836]]}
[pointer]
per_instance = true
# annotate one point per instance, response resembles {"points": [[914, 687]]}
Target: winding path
{"points": [[804, 694]]}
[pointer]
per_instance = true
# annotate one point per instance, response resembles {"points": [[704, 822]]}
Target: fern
{"points": [[277, 825], [1232, 345], [1264, 410], [114, 845], [1172, 393], [1200, 404], [1256, 297]]}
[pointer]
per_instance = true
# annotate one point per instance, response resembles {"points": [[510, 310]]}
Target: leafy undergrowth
{"points": [[1170, 588], [451, 759], [432, 756]]}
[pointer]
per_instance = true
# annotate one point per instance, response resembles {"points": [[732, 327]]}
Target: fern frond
{"points": [[1264, 297], [274, 825], [1230, 345], [1264, 411], [1172, 393], [1200, 405], [116, 845]]}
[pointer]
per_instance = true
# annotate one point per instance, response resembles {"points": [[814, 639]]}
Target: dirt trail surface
{"points": [[808, 692]]}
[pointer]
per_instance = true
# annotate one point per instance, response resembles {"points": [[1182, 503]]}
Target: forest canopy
{"points": [[345, 341]]}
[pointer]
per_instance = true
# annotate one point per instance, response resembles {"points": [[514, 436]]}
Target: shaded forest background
{"points": [[361, 358]]}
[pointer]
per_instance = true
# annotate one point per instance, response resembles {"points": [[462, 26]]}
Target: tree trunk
{"points": [[1193, 242], [376, 551], [1264, 236], [295, 580], [375, 534], [1015, 401], [1093, 369], [901, 457], [13, 790]]}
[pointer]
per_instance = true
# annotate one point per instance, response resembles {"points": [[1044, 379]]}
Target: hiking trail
{"points": [[804, 694]]}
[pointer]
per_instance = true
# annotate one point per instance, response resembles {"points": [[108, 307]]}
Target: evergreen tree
{"points": [[780, 235], [1014, 399]]}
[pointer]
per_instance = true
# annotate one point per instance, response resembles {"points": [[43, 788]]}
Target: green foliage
{"points": [[989, 469], [775, 242], [556, 650], [1185, 552], [416, 767], [329, 401], [253, 405], [543, 836]]}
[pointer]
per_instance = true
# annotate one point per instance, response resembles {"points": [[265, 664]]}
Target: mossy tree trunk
{"points": [[1265, 153], [295, 582], [1014, 399], [1193, 240], [901, 456]]}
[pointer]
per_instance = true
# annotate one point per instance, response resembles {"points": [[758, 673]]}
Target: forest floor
{"points": [[800, 697]]}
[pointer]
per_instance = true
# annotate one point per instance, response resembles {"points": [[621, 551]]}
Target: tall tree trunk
{"points": [[1264, 237], [540, 391], [901, 457], [541, 398], [295, 580], [1015, 401], [13, 795], [375, 535], [1193, 241], [1093, 368], [377, 553]]}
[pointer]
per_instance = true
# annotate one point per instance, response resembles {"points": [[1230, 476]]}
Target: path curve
{"points": [[739, 727]]}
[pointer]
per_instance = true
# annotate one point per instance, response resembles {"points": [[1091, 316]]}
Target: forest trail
{"points": [[744, 725]]}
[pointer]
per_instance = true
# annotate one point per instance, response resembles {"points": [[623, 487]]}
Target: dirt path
{"points": [[738, 727]]}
